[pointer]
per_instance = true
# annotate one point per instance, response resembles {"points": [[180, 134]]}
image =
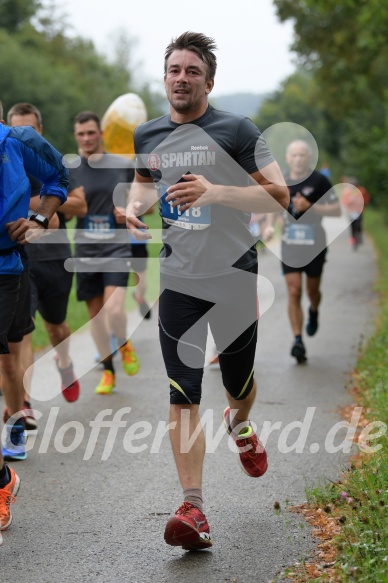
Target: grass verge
{"points": [[351, 516]]}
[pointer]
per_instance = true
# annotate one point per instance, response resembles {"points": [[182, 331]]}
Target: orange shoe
{"points": [[8, 497], [131, 363], [107, 383]]}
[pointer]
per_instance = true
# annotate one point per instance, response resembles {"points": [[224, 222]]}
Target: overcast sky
{"points": [[253, 53]]}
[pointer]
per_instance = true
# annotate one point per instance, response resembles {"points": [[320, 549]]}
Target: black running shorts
{"points": [[9, 294], [92, 285], [230, 310], [139, 258], [50, 289], [15, 312], [312, 269]]}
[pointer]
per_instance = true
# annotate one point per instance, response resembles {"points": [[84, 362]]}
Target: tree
{"points": [[298, 102], [61, 76], [15, 13], [344, 46]]}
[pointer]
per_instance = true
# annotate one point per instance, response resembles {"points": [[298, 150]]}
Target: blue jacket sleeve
{"points": [[43, 161]]}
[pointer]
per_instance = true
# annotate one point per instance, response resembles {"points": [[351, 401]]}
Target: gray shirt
{"points": [[223, 147], [106, 182]]}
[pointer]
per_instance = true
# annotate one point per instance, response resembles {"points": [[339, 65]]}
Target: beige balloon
{"points": [[119, 123]]}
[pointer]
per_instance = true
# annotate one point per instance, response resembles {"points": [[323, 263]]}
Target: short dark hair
{"points": [[200, 44], [24, 109], [85, 116]]}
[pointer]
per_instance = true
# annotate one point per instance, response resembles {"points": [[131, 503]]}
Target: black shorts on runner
{"points": [[50, 290], [139, 258], [92, 285], [312, 269], [15, 309], [183, 328], [9, 295]]}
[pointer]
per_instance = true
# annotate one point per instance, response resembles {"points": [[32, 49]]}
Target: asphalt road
{"points": [[82, 518]]}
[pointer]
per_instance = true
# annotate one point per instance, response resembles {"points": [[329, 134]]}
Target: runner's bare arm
{"points": [[270, 194], [142, 197], [34, 203], [47, 206], [328, 209], [76, 205], [332, 209]]}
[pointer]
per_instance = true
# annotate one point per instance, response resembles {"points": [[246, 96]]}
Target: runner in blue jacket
{"points": [[22, 152]]}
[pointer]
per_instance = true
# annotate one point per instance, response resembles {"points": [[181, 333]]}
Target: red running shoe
{"points": [[188, 528], [69, 384], [29, 419], [253, 457]]}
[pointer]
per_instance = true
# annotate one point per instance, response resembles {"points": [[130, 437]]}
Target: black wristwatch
{"points": [[40, 219]]}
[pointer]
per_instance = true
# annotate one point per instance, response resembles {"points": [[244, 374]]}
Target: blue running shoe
{"points": [[15, 440]]}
